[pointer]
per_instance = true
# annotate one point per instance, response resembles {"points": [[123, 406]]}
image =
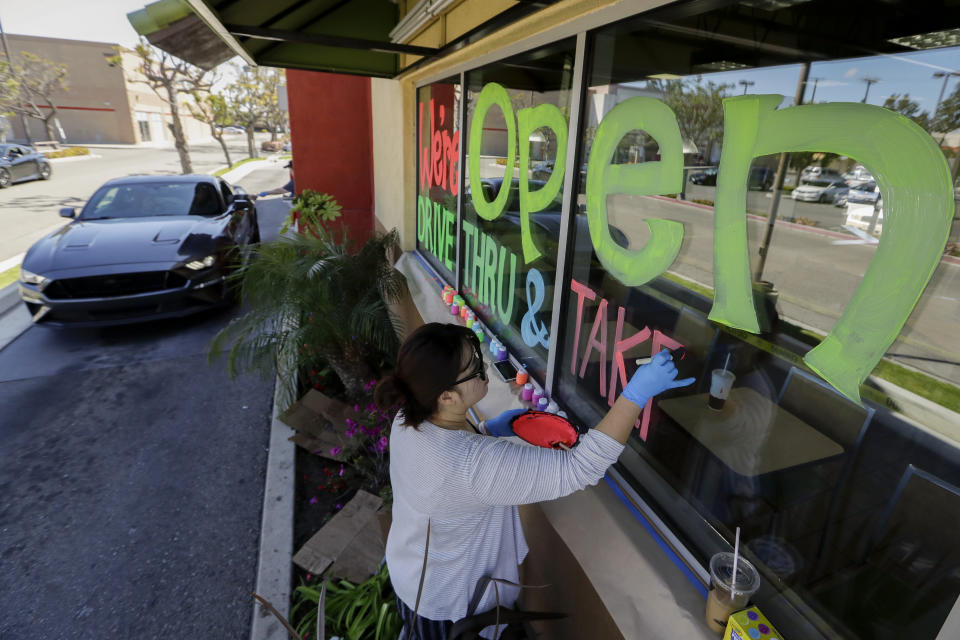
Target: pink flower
{"points": [[371, 408], [370, 385], [335, 451], [341, 470], [356, 408], [351, 424], [381, 445], [313, 500], [338, 506]]}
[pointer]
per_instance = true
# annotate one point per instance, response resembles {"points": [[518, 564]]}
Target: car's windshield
{"points": [[145, 199], [866, 187], [817, 183]]}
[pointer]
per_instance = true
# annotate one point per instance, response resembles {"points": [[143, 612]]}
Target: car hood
{"points": [[87, 243]]}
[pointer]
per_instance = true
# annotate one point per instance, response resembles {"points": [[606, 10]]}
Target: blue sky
{"points": [[99, 20]]}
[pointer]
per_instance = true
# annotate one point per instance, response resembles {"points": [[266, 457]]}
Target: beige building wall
{"points": [[103, 101]]}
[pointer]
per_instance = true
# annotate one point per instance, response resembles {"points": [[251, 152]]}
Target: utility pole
{"points": [[814, 95], [747, 83], [6, 51], [778, 181], [869, 82]]}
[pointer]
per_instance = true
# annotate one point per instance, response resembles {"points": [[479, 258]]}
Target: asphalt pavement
{"points": [[131, 476]]}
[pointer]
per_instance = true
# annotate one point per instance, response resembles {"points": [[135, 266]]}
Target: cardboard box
{"points": [[349, 545], [750, 624]]}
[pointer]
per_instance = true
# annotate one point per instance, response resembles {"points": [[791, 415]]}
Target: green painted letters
{"points": [[918, 207], [529, 120], [492, 94], [634, 268]]}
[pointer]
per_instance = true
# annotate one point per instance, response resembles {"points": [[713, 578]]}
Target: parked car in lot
{"points": [[819, 173], [233, 129], [858, 175], [142, 248], [759, 178], [865, 193], [819, 190], [19, 162]]}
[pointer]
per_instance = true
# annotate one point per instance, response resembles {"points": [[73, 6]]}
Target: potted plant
{"points": [[315, 304], [310, 211]]}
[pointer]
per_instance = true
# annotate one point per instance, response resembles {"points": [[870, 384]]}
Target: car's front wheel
{"points": [[45, 171], [4, 178]]}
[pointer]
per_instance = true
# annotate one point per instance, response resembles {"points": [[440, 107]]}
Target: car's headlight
{"points": [[201, 263], [29, 277]]}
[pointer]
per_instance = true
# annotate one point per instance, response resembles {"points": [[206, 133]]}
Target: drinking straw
{"points": [[736, 556], [725, 364]]}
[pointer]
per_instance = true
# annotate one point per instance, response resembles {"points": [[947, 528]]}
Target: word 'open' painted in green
{"points": [[529, 120]]}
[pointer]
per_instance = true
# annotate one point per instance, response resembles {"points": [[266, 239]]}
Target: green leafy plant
{"points": [[312, 304], [365, 611], [312, 209]]}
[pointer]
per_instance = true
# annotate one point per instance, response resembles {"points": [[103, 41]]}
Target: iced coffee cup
{"points": [[728, 593], [720, 384]]}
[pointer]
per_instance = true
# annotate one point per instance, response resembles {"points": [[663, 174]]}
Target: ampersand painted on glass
{"points": [[532, 331]]}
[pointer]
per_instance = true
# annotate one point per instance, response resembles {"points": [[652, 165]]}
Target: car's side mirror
{"points": [[68, 212]]}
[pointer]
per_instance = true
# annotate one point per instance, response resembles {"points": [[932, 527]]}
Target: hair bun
{"points": [[391, 392]]}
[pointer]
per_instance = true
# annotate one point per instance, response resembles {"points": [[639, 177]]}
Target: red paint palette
{"points": [[546, 430]]}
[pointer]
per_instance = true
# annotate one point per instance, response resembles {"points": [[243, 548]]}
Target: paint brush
{"points": [[736, 557]]}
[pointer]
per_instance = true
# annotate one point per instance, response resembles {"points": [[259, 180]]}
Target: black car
{"points": [[759, 178], [142, 248], [19, 163]]}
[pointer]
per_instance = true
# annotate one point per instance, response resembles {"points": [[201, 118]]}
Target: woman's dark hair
{"points": [[429, 362]]}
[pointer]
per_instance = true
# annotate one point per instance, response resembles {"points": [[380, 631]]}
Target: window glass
{"points": [[693, 230], [517, 117], [438, 180], [227, 193]]}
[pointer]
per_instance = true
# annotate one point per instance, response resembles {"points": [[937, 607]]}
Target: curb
{"points": [[274, 571], [9, 297]]}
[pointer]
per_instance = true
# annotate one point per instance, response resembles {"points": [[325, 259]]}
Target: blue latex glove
{"points": [[263, 193], [500, 426], [654, 378]]}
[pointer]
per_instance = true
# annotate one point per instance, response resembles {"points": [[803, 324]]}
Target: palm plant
{"points": [[312, 301]]}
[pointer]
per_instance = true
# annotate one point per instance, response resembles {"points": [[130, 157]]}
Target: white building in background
{"points": [[103, 103]]}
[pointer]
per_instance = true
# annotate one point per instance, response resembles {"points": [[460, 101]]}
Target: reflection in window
{"points": [[515, 170], [438, 179], [802, 469]]}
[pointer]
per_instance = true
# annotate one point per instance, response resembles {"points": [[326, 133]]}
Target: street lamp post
{"points": [[869, 82], [946, 75], [813, 96], [746, 83]]}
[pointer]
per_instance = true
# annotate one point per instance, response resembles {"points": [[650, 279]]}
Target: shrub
{"points": [[67, 152]]}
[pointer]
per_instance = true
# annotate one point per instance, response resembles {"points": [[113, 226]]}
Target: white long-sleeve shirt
{"points": [[468, 485]]}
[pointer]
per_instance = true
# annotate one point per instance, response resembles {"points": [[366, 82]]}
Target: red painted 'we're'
{"points": [[439, 160]]}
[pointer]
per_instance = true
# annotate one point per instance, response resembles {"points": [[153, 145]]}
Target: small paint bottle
{"points": [[542, 404], [469, 322], [479, 332], [502, 353], [537, 395], [527, 394], [454, 309], [522, 377], [553, 407], [562, 414]]}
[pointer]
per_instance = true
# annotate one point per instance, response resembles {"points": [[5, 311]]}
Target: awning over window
{"points": [[344, 36]]}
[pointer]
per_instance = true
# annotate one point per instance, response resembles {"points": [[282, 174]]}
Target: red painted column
{"points": [[332, 133]]}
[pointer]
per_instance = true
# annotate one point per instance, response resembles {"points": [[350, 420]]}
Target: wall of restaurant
{"points": [[330, 117], [842, 464]]}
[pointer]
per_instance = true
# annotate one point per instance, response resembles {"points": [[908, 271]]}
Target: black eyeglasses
{"points": [[481, 369]]}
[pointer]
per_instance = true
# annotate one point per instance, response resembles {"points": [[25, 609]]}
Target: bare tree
{"points": [[249, 99], [171, 78], [276, 117], [29, 81]]}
